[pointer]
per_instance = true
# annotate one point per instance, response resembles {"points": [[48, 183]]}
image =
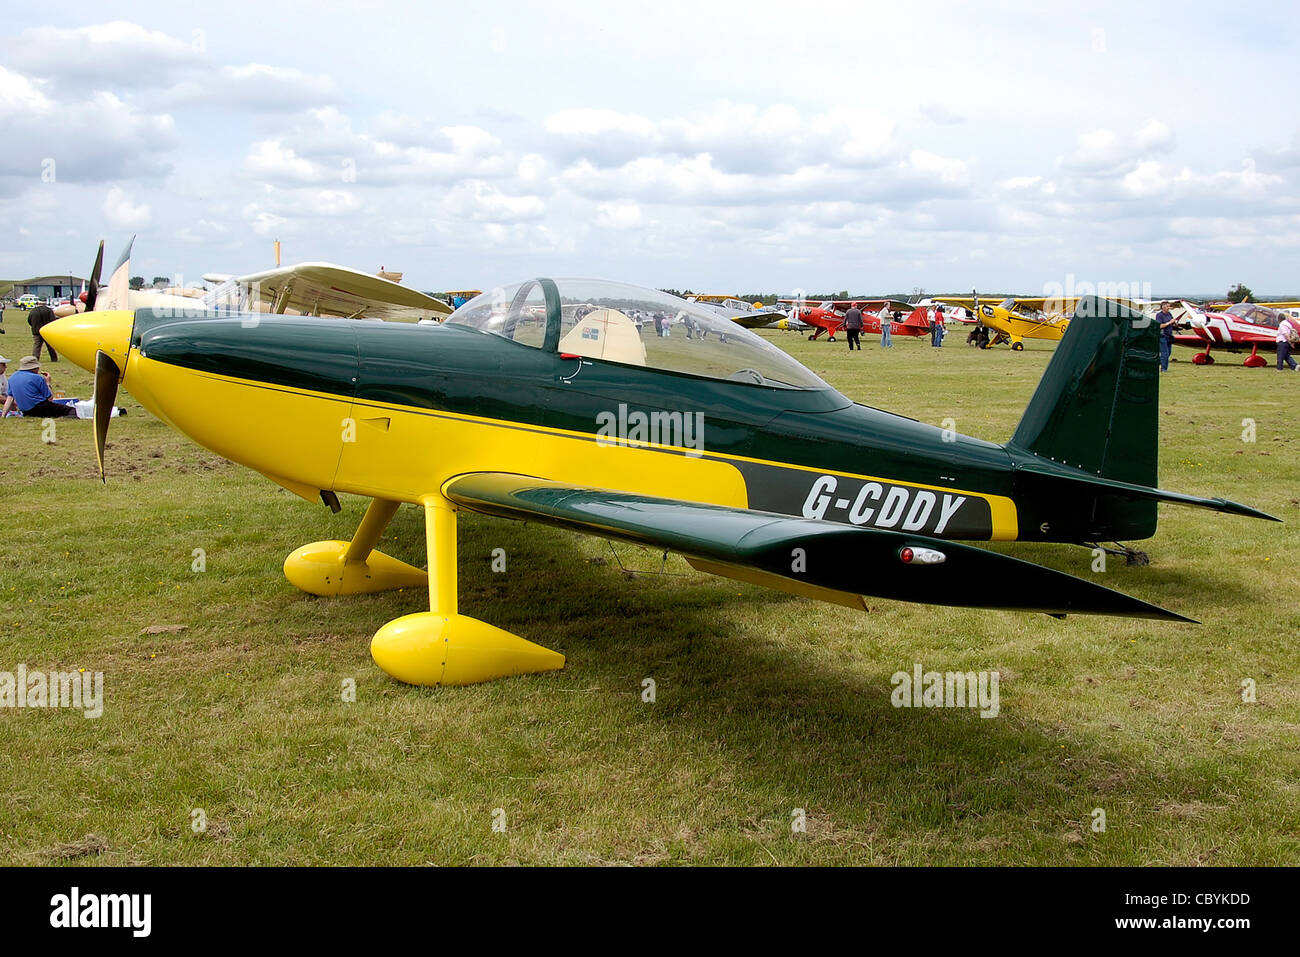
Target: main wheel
{"points": [[1017, 347]]}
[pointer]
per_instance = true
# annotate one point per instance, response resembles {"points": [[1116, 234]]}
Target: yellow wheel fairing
{"points": [[322, 568], [433, 649]]}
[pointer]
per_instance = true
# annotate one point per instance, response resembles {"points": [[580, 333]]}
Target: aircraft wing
{"points": [[326, 289], [873, 305], [816, 559], [756, 320], [1066, 305], [748, 320], [866, 305]]}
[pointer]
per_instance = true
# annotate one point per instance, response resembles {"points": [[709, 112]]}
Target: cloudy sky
{"points": [[725, 147]]}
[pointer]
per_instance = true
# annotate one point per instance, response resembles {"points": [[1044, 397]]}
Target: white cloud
{"points": [[251, 87], [122, 213], [738, 137], [1105, 152], [261, 220], [112, 55], [619, 216], [92, 138], [271, 161], [482, 202], [945, 168], [1149, 179]]}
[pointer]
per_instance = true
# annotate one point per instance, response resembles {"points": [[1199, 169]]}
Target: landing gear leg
{"points": [[442, 646], [353, 568]]}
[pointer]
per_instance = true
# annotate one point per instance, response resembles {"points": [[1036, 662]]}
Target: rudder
{"points": [[1097, 405], [1097, 409]]}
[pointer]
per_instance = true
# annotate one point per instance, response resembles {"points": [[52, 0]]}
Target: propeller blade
{"points": [[93, 290], [106, 382]]}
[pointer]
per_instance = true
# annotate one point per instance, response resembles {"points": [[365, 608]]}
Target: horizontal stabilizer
{"points": [[820, 559], [1100, 483]]}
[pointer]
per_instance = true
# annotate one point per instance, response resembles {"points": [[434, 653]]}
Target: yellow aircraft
{"points": [[1018, 317]]}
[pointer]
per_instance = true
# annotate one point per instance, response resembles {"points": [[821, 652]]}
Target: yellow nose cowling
{"points": [[79, 337]]}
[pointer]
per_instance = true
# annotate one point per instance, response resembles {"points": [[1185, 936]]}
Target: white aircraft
{"points": [[309, 289]]}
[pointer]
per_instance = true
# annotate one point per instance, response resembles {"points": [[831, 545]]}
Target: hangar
{"points": [[46, 287]]}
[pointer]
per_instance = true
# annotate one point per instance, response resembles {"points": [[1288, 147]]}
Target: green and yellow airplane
{"points": [[544, 402]]}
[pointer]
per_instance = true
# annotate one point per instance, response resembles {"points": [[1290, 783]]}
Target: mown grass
{"points": [[765, 703]]}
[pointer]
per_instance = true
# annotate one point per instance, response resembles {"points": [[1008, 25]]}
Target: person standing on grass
{"points": [[1165, 319], [886, 329], [40, 317], [937, 329], [1288, 337], [853, 327]]}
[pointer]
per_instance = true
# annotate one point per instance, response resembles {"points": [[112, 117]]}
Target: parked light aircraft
{"points": [[1233, 329], [828, 316], [722, 448], [1016, 318], [313, 288], [750, 315]]}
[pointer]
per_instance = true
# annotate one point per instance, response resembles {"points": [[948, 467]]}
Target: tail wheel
{"points": [[1017, 347]]}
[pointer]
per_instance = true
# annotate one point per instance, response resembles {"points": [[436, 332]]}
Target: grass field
{"points": [[765, 703]]}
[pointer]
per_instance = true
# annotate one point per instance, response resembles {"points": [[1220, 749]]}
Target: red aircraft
{"points": [[904, 318], [1241, 326]]}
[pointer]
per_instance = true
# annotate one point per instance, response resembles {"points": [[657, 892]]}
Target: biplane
{"points": [[722, 448]]}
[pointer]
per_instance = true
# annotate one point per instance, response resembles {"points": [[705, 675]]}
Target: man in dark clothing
{"points": [[38, 318], [853, 327], [1166, 320]]}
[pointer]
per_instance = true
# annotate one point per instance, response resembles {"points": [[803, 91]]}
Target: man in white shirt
{"points": [[1288, 336]]}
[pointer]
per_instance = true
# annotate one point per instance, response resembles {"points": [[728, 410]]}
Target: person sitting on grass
{"points": [[29, 390]]}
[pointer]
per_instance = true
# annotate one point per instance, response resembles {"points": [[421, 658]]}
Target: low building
{"points": [[46, 287]]}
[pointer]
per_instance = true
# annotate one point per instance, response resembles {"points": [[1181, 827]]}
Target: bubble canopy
{"points": [[621, 323]]}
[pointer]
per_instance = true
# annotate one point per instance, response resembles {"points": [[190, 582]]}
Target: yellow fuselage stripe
{"points": [[324, 441]]}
